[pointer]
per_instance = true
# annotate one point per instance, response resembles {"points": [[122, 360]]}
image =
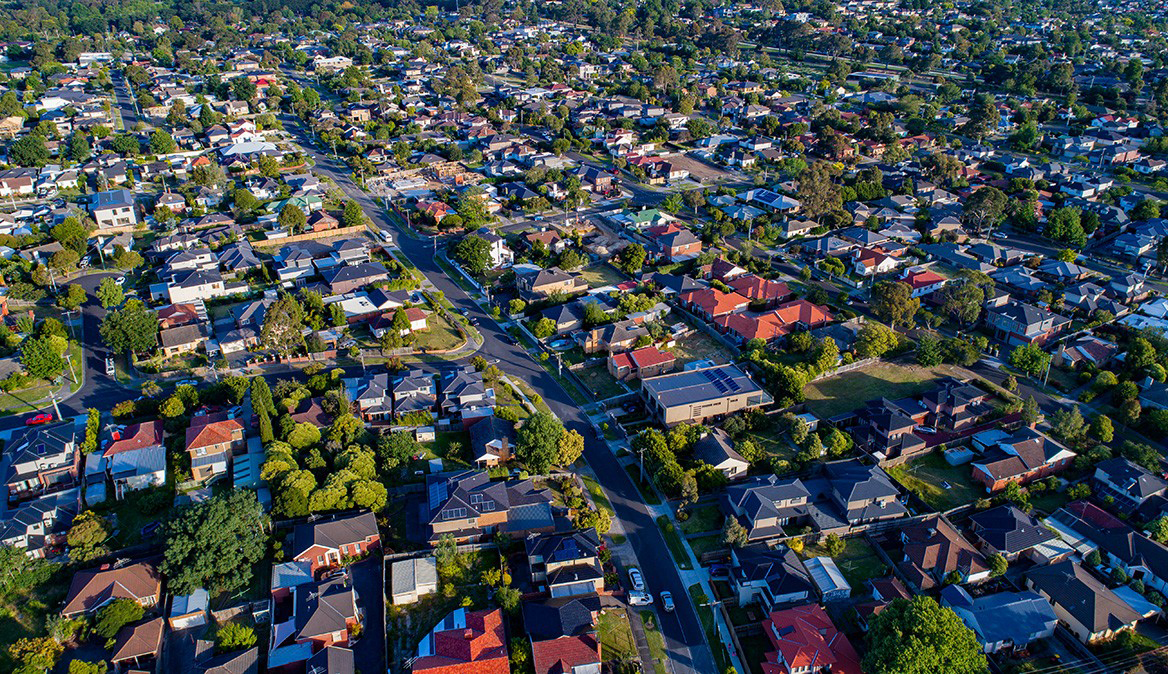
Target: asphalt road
{"points": [[125, 102], [684, 637]]}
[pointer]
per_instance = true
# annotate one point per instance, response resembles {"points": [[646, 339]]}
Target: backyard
{"points": [[836, 395], [699, 346], [858, 562], [702, 519], [602, 274], [440, 335], [936, 482]]}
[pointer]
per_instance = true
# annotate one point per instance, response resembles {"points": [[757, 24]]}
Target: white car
{"points": [[640, 599], [637, 579], [926, 429], [121, 280], [667, 601]]}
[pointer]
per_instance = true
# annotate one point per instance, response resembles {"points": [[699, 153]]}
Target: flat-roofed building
{"points": [[697, 395]]}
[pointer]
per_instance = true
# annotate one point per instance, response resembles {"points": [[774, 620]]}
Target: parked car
{"points": [[640, 599], [719, 571], [42, 418], [926, 429], [121, 280], [637, 579], [667, 601], [187, 382]]}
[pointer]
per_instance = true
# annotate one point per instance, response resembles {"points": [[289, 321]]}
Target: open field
{"points": [[836, 395]]}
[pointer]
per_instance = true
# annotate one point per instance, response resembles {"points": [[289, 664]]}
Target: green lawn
{"points": [[703, 544], [706, 614], [702, 519], [832, 396], [440, 335], [656, 641], [858, 562], [648, 494], [453, 446], [600, 500], [598, 380], [602, 274], [773, 441], [616, 636], [673, 540], [928, 476]]}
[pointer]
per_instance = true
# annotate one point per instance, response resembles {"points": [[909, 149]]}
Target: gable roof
{"points": [[211, 429], [807, 640], [563, 655], [93, 588], [1083, 596], [464, 637], [1009, 530], [137, 436], [334, 532], [560, 616]]}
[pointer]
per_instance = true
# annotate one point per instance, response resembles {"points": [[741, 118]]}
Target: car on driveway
{"points": [[640, 599], [637, 580], [121, 280], [667, 601], [42, 418]]}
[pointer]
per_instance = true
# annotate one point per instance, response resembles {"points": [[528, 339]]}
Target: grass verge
{"points": [[706, 615], [676, 545], [656, 641]]}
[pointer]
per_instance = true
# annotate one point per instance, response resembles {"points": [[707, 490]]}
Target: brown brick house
{"points": [[211, 439]]}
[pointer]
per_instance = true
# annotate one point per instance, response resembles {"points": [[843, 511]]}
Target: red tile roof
{"points": [[649, 356], [562, 655], [922, 278], [777, 322], [479, 648], [758, 288], [805, 639], [715, 302], [145, 434], [211, 429]]}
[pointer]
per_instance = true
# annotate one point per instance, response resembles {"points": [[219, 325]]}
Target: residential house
{"points": [[465, 395], [136, 457], [772, 577], [501, 255], [470, 507], [806, 641], [183, 339], [465, 642], [92, 589], [1128, 484], [567, 564], [793, 316], [329, 543], [647, 361], [956, 405], [113, 208], [347, 278], [412, 579], [1007, 531], [492, 441], [570, 654], [710, 303], [717, 449], [1017, 323], [1003, 621], [614, 337], [196, 284], [697, 395], [1085, 351], [934, 550], [1025, 456], [210, 441], [545, 282], [759, 290], [40, 524], [923, 281], [1091, 610], [138, 643], [43, 459], [313, 616], [1086, 526]]}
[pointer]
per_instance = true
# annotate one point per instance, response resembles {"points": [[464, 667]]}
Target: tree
{"points": [[998, 565], [83, 667], [1158, 529], [29, 151], [818, 192], [984, 209], [79, 149], [1068, 424], [733, 533], [37, 654], [234, 637], [834, 545], [215, 544], [929, 350], [571, 448], [571, 260], [282, 325], [962, 300], [161, 142], [875, 340], [918, 636], [1030, 358], [109, 293], [116, 615], [352, 216], [131, 328], [72, 297], [291, 218], [537, 443], [474, 254], [893, 302], [1102, 429], [243, 88], [41, 358], [87, 537], [125, 144], [64, 261], [1030, 413], [1063, 225], [632, 258], [544, 328]]}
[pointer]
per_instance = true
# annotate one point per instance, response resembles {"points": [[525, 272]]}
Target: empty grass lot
{"points": [[439, 335], [616, 636], [702, 519], [699, 346], [858, 562], [598, 380], [936, 482], [832, 396], [602, 274]]}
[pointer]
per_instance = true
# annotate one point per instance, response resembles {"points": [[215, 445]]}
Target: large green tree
{"points": [[473, 253], [215, 544], [893, 302], [282, 325], [131, 328], [538, 442], [109, 293], [918, 636]]}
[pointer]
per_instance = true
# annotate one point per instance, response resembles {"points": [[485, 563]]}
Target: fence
{"points": [[308, 236], [461, 272], [854, 365], [705, 327]]}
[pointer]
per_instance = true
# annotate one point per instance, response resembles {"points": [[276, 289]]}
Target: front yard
{"points": [[616, 636], [598, 380], [936, 482], [440, 335]]}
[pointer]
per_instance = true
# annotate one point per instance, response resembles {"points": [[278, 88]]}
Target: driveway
{"points": [[369, 653]]}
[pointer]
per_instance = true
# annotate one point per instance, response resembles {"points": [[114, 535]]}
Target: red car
{"points": [[39, 419]]}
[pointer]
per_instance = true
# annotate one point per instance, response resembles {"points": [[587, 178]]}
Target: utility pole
{"points": [[56, 409]]}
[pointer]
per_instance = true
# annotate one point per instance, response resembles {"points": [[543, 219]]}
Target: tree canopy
{"points": [[215, 544], [918, 636]]}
